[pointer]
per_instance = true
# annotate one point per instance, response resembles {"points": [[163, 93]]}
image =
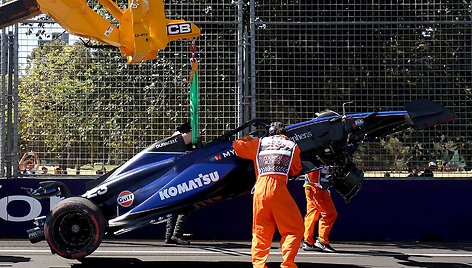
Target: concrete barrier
{"points": [[383, 210]]}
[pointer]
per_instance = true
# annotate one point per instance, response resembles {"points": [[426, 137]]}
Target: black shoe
{"points": [[170, 241], [324, 247], [308, 247], [180, 241]]}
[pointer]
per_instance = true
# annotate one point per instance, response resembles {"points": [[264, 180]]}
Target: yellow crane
{"points": [[142, 28]]}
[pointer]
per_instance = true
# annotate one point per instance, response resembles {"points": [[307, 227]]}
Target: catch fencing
{"points": [[80, 107]]}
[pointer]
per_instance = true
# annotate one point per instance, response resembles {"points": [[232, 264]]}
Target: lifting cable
{"points": [[194, 94]]}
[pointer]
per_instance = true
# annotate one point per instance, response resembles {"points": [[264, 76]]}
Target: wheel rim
{"points": [[74, 230]]}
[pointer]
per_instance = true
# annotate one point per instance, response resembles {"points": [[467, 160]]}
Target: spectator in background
{"points": [[29, 163], [59, 171], [428, 172], [415, 172], [44, 170], [101, 171]]}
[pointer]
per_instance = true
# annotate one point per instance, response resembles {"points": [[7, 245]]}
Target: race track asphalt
{"points": [[236, 254]]}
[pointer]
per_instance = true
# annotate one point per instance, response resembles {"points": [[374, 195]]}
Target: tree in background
{"points": [[399, 154], [82, 106], [138, 104], [53, 95]]}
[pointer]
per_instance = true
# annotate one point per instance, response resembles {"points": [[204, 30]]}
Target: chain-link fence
{"points": [[81, 107], [379, 55]]}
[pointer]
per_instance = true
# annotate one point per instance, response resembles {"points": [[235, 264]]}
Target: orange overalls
{"points": [[318, 202], [275, 158]]}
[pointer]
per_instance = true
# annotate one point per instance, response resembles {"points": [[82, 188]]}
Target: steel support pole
{"points": [[241, 75], [9, 111], [252, 8], [15, 103], [247, 88], [3, 73]]}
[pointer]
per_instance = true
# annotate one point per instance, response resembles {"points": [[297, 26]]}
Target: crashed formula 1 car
{"points": [[167, 177]]}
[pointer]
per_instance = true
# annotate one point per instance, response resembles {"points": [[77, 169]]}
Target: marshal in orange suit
{"points": [[275, 158], [319, 203]]}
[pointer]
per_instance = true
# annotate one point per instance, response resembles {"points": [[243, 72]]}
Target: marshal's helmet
{"points": [[276, 128]]}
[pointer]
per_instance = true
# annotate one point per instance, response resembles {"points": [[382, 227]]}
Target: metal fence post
{"points": [[245, 104], [9, 123], [241, 74], [252, 29], [247, 88], [15, 143], [3, 73]]}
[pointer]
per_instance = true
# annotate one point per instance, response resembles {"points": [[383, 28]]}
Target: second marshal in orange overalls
{"points": [[318, 204], [275, 159]]}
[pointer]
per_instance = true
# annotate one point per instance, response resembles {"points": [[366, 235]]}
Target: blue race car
{"points": [[168, 177]]}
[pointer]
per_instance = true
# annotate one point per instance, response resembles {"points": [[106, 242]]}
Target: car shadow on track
{"points": [[133, 262], [193, 244], [405, 260], [13, 259]]}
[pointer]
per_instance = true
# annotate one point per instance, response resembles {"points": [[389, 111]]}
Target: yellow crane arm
{"points": [[79, 19], [142, 28]]}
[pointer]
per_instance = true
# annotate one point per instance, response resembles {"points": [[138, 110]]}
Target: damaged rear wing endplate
{"points": [[426, 114]]}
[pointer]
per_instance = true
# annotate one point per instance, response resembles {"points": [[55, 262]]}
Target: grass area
{"points": [[97, 167], [85, 170]]}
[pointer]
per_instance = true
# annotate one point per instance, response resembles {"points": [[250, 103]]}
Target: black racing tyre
{"points": [[74, 228]]}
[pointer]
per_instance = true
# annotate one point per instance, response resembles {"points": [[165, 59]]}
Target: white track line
{"points": [[273, 252]]}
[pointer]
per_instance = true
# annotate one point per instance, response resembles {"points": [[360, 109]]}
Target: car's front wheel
{"points": [[75, 228]]}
